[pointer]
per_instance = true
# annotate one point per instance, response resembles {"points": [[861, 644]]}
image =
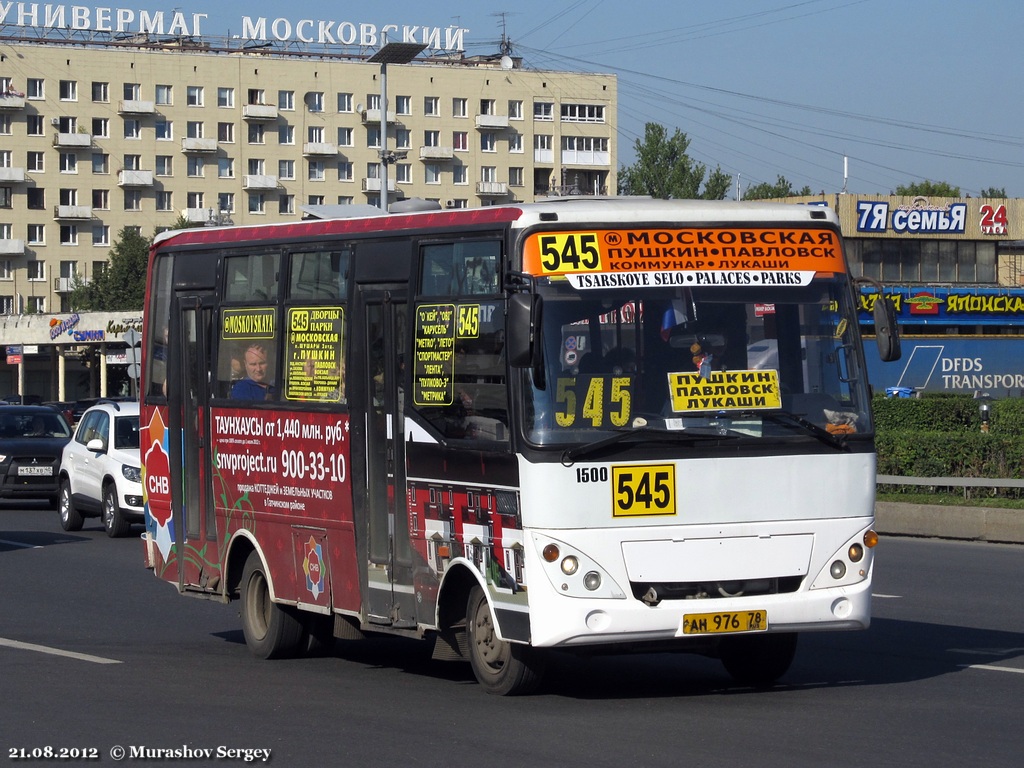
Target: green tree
{"points": [[781, 188], [122, 285], [994, 192], [928, 189], [664, 170]]}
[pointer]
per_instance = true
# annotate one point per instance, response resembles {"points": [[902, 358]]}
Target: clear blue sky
{"points": [[908, 90]]}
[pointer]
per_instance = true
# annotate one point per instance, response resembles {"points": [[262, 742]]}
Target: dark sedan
{"points": [[32, 439]]}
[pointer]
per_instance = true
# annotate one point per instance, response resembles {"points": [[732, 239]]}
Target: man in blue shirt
{"points": [[255, 385]]}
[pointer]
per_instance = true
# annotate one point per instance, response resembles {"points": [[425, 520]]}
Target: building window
{"points": [[432, 173], [101, 199], [431, 138], [36, 234], [286, 100], [35, 198], [132, 128], [286, 169], [34, 125], [194, 167], [100, 163], [460, 141], [315, 101], [226, 133], [253, 96], [67, 196], [35, 305], [226, 202], [101, 127], [255, 166], [458, 107], [345, 137], [286, 204], [257, 202], [5, 125], [68, 90], [315, 134], [6, 197], [6, 305], [488, 142], [403, 173], [68, 234], [194, 200], [403, 105], [373, 136], [164, 201], [403, 138], [100, 236], [164, 165], [225, 168], [544, 110], [460, 174], [286, 135], [194, 129], [315, 200], [36, 270], [5, 264], [194, 95], [316, 170], [582, 113], [431, 106], [131, 91], [344, 170], [226, 98], [133, 199], [488, 173], [100, 93], [515, 109], [35, 162], [35, 88], [487, 107], [515, 143], [515, 177], [163, 95], [164, 130], [257, 135], [344, 102]]}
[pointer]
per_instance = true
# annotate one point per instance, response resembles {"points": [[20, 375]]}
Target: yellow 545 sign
{"points": [[646, 489], [572, 252]]}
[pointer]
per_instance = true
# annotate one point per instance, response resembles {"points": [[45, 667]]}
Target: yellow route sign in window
{"points": [[724, 391]]}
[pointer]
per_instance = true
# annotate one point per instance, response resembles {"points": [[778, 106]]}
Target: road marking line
{"points": [[56, 651], [993, 668], [887, 597], [21, 544]]}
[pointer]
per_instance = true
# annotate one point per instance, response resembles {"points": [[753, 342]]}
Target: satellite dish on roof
{"points": [[506, 62]]}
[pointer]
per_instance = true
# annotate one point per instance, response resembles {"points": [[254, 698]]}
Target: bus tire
{"points": [[272, 631], [502, 668], [758, 660], [70, 518]]}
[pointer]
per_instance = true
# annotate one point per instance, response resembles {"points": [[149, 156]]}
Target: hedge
{"points": [[940, 436]]}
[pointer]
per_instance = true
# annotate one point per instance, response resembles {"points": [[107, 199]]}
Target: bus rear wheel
{"points": [[502, 668], [272, 631], [758, 660]]}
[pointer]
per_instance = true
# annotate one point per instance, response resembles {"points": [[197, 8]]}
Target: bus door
{"points": [[390, 598], [192, 489]]}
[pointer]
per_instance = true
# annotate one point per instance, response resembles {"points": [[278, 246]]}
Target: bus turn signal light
{"points": [[870, 539], [550, 553]]}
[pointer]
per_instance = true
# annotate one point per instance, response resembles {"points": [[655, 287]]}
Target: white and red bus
{"points": [[576, 424]]}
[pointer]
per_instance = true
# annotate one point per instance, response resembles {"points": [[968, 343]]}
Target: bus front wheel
{"points": [[271, 630], [758, 660], [502, 668]]}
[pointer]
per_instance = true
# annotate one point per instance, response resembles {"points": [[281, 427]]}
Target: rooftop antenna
{"points": [[846, 172]]}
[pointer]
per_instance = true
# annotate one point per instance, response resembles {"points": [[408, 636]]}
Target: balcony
{"points": [[198, 215], [373, 185], [72, 140], [437, 153], [257, 112], [258, 181], [10, 247], [198, 145], [319, 149], [136, 107], [64, 284], [135, 179], [492, 122], [12, 175], [491, 188], [9, 102], [72, 211], [373, 116]]}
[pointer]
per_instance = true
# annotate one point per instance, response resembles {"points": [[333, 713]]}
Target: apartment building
{"points": [[101, 131]]}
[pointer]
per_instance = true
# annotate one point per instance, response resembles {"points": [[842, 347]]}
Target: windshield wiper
{"points": [[794, 419], [569, 455]]}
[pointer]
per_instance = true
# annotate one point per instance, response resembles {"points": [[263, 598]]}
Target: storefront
{"points": [[68, 357]]}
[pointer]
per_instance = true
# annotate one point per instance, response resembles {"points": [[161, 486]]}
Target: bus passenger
{"points": [[255, 385]]}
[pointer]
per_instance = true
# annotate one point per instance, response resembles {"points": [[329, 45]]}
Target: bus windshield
{"points": [[765, 362]]}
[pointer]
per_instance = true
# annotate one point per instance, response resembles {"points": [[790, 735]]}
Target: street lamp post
{"points": [[389, 53]]}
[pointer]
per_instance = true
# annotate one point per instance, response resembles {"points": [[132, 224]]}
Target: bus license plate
{"points": [[717, 623], [35, 471]]}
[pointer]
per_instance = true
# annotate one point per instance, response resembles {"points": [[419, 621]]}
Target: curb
{"points": [[968, 523]]}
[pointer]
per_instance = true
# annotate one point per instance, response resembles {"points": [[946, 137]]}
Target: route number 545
{"points": [[574, 252], [648, 489]]}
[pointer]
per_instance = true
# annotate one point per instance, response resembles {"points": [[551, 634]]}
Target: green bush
{"points": [[940, 436]]}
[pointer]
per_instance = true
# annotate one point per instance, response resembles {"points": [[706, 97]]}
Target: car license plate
{"points": [[716, 623], [32, 471]]}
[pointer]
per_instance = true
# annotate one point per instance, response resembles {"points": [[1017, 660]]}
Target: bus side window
{"points": [[469, 268], [319, 275], [251, 277]]}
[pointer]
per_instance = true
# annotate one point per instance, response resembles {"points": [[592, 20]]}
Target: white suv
{"points": [[100, 471]]}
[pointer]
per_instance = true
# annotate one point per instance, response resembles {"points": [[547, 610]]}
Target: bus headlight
{"points": [[572, 572], [570, 565], [592, 580]]}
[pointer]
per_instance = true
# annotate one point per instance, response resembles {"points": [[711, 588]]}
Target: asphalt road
{"points": [[97, 655]]}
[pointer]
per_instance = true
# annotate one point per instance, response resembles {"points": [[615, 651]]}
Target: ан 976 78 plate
{"points": [[717, 623]]}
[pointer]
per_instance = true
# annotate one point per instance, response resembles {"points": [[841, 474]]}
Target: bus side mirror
{"points": [[887, 335], [523, 321]]}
